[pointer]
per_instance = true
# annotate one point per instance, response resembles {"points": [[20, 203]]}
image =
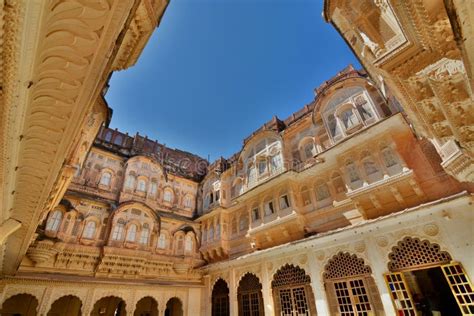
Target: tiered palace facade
{"points": [[360, 203]]}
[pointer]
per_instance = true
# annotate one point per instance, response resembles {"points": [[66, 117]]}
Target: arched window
{"points": [[352, 172], [249, 296], [338, 183], [309, 150], [292, 292], [234, 226], [162, 241], [370, 167], [349, 284], [89, 230], [132, 233], [188, 243], [108, 136], [251, 174], [332, 126], [236, 189], [118, 140], [269, 208], [305, 194], [154, 188], [243, 223], [117, 233], [211, 233], [388, 157], [168, 196], [179, 246], [218, 231], [220, 299], [188, 202], [364, 108], [322, 191], [262, 166], [275, 162], [141, 185], [284, 202], [105, 179], [349, 118], [54, 221], [130, 181], [145, 235]]}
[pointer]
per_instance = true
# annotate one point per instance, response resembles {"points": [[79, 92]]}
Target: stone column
{"points": [[43, 304], [377, 264], [320, 298], [233, 304], [267, 290], [88, 303]]}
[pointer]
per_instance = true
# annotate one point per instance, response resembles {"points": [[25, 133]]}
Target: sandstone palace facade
{"points": [[360, 203]]}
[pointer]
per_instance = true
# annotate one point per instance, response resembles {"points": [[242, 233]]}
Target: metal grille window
{"points": [[220, 299], [292, 292], [249, 294], [346, 277]]}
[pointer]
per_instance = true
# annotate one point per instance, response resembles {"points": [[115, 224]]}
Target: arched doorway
{"points": [[174, 307], [425, 280], [292, 292], [350, 288], [109, 306], [220, 299], [20, 304], [147, 306], [66, 305], [249, 296]]}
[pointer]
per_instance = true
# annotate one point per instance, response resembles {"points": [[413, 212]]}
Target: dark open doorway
{"points": [[431, 292]]}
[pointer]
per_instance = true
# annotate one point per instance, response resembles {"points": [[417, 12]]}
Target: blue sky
{"points": [[216, 70]]}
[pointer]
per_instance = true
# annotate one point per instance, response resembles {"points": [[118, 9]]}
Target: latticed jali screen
{"points": [[413, 253], [290, 275], [345, 265], [249, 282]]}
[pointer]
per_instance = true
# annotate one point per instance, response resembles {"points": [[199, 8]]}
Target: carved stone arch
{"points": [[109, 301], [344, 265], [11, 292], [305, 140], [67, 291], [175, 305], [27, 302], [76, 306], [217, 277], [146, 305], [413, 253]]}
